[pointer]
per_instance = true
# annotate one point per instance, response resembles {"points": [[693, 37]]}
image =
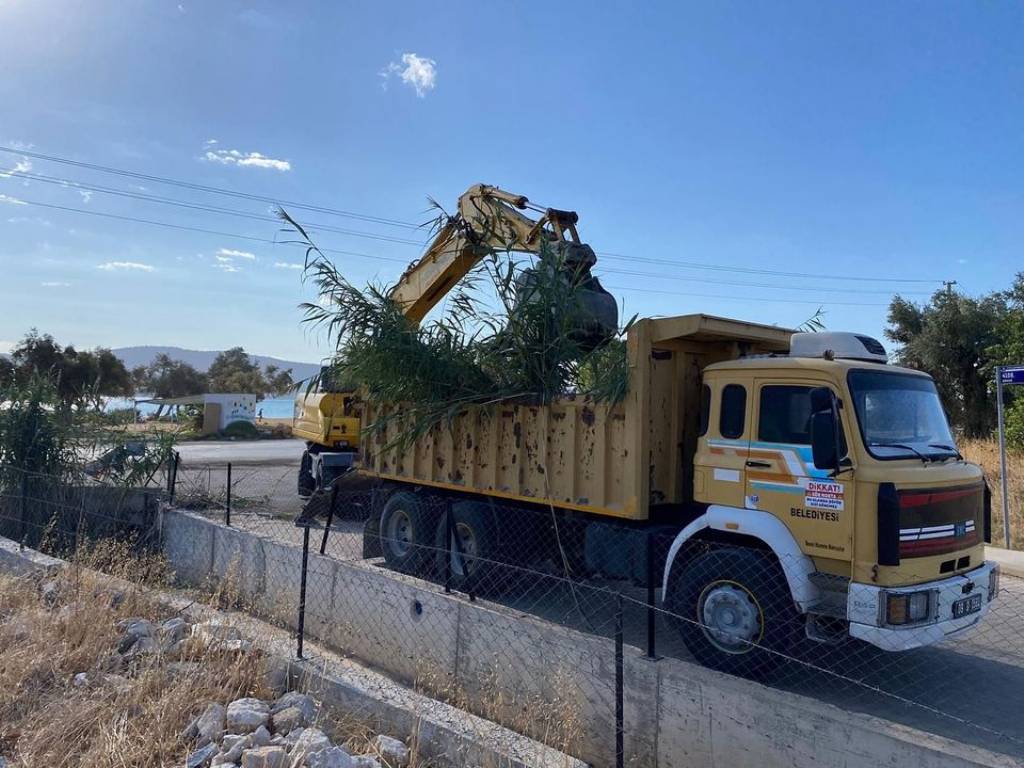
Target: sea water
{"points": [[271, 408]]}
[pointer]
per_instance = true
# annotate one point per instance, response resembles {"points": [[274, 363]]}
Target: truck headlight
{"points": [[907, 607], [993, 583]]}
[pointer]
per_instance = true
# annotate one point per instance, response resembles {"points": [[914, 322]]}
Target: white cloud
{"points": [[227, 267], [231, 253], [418, 72], [245, 159], [11, 200], [30, 220], [86, 195], [22, 166], [55, 284], [110, 266], [287, 265]]}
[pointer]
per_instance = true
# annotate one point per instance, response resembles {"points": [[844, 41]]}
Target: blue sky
{"points": [[869, 140]]}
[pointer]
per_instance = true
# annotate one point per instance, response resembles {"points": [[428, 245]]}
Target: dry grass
{"points": [[986, 453], [129, 713]]}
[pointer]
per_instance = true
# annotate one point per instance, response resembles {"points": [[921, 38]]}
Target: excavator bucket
{"points": [[594, 314]]}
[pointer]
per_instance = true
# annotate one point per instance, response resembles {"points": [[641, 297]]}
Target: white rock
{"points": [[221, 636], [210, 724], [172, 631], [310, 740], [304, 702], [246, 715], [332, 757], [201, 757], [261, 737], [142, 646], [365, 761], [79, 681], [234, 746], [288, 719], [138, 627], [392, 751], [264, 757], [292, 737]]}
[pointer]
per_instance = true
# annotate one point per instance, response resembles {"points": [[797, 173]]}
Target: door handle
{"points": [[762, 464]]}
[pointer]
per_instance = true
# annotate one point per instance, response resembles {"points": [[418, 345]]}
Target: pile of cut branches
{"points": [[505, 333]]}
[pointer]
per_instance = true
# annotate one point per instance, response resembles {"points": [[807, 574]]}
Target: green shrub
{"points": [[241, 430], [1014, 420]]}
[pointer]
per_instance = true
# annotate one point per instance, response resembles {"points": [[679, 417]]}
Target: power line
{"points": [[146, 197], [744, 298], [268, 241], [212, 190], [185, 228], [261, 217], [398, 223], [754, 270], [605, 270]]}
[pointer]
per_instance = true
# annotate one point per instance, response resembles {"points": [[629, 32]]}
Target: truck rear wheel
{"points": [[407, 527], [734, 611], [474, 548]]}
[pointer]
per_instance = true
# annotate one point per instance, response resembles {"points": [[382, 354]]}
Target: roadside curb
{"points": [[1011, 562]]}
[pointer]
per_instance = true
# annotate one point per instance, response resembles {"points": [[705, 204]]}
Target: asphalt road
{"points": [[970, 689], [242, 452]]}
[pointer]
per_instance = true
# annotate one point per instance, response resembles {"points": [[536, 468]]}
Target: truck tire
{"points": [[407, 528], [475, 566], [307, 484], [734, 611]]}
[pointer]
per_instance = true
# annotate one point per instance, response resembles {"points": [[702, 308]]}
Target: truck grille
{"points": [[939, 521]]}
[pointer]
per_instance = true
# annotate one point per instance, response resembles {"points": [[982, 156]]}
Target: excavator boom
{"points": [[488, 220]]}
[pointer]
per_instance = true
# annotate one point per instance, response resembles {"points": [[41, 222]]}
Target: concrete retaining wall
{"points": [[549, 677]]}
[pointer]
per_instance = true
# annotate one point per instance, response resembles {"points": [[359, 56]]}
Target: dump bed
{"points": [[610, 459]]}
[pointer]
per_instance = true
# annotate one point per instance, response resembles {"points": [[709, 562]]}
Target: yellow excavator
{"points": [[488, 221]]}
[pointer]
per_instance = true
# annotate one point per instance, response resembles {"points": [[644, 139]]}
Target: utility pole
{"points": [[949, 286]]}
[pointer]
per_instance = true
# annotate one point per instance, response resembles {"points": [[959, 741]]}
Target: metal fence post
{"points": [[651, 611], [330, 518], [23, 511], [301, 631], [227, 502], [448, 528], [173, 479], [620, 752], [1004, 485]]}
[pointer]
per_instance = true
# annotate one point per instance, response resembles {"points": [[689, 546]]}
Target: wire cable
{"points": [[398, 223]]}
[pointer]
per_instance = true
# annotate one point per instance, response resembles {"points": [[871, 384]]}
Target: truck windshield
{"points": [[900, 416]]}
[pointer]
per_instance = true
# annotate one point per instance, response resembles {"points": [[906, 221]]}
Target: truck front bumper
{"points": [[866, 610]]}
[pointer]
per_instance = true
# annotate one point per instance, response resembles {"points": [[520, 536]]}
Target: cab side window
{"points": [[733, 413], [785, 415]]}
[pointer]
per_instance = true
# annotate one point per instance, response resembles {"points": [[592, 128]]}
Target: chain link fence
{"points": [[535, 618]]}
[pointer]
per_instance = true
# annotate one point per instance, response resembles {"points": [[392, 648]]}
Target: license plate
{"points": [[966, 606]]}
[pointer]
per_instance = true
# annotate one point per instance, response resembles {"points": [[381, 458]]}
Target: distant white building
{"points": [[219, 410]]}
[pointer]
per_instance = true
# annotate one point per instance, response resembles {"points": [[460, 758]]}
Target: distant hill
{"points": [[202, 359]]}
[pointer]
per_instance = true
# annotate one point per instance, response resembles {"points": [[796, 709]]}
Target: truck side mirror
{"points": [[824, 443], [823, 440]]}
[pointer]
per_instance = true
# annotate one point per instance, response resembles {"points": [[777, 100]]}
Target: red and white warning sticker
{"points": [[823, 495]]}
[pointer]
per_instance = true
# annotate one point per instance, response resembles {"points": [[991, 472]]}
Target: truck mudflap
{"points": [[955, 606]]}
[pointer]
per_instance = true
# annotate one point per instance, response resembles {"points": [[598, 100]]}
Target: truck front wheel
{"points": [[407, 527], [307, 483], [734, 611]]}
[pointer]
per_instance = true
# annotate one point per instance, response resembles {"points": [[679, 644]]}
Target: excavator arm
{"points": [[488, 220]]}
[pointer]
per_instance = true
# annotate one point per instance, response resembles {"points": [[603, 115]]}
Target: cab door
{"points": [[720, 462], [781, 477]]}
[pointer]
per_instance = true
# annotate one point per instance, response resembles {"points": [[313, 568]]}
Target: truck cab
{"points": [[845, 468]]}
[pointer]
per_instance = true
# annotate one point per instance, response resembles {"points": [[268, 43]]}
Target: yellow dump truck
{"points": [[797, 479]]}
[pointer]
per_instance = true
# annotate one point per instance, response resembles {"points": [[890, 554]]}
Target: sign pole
{"points": [[1002, 455]]}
